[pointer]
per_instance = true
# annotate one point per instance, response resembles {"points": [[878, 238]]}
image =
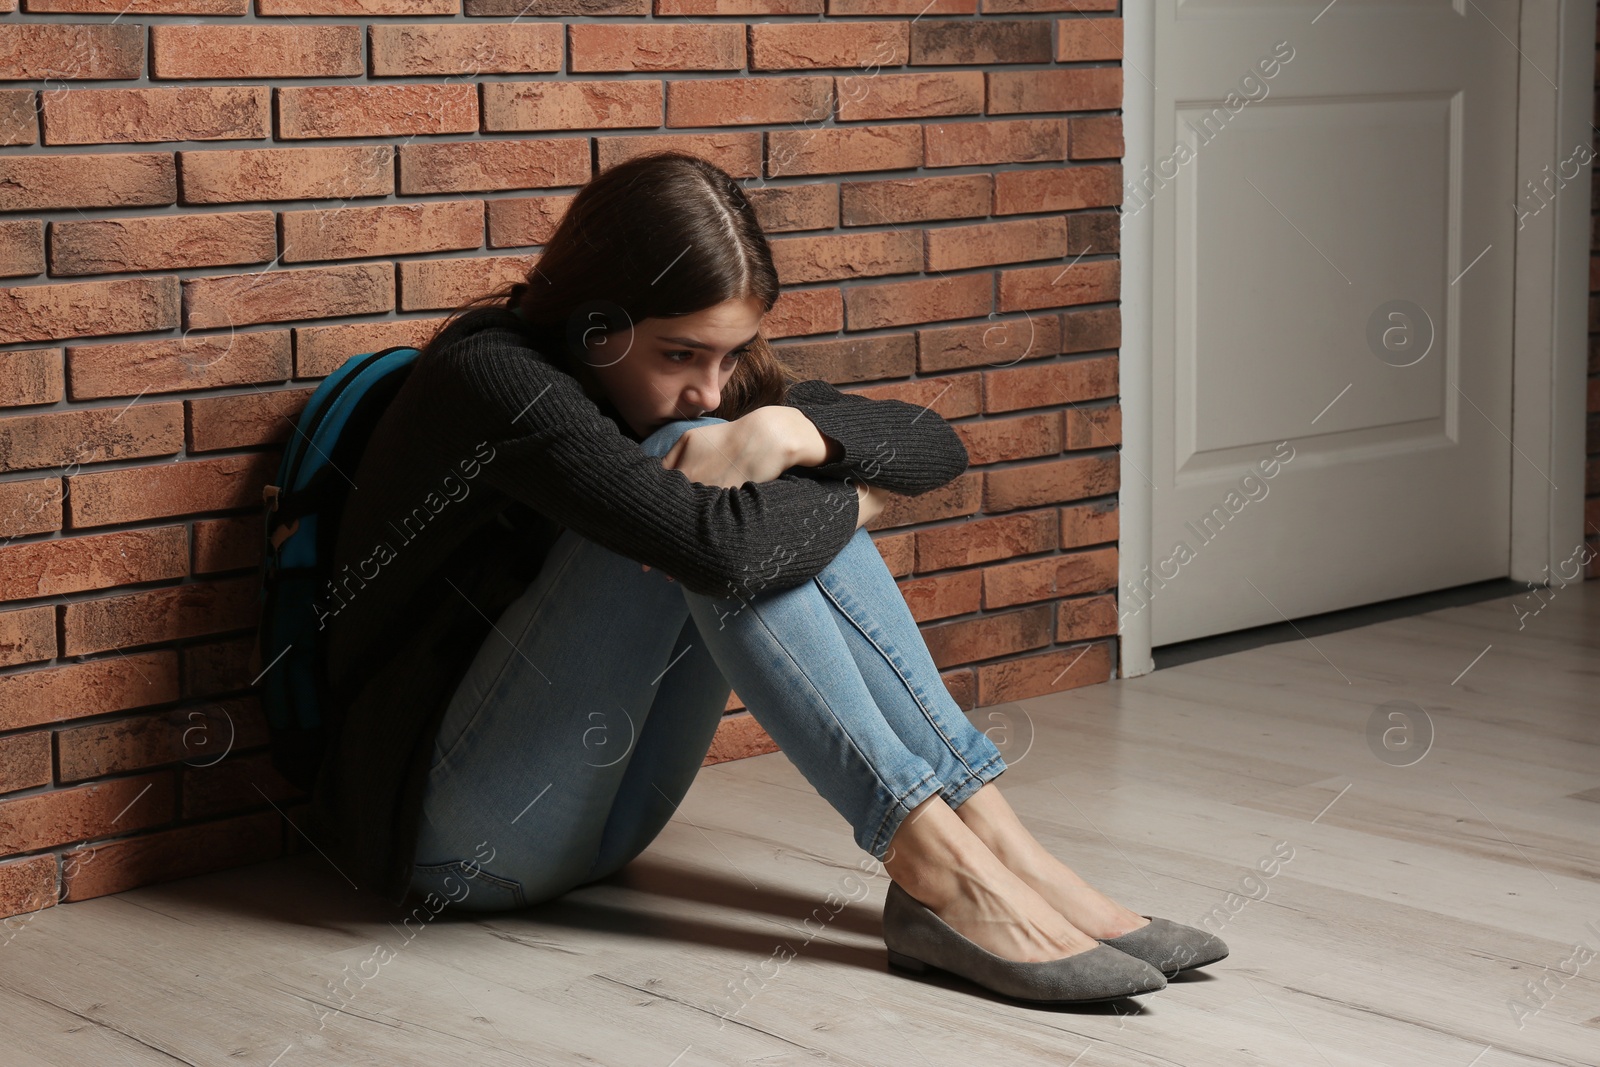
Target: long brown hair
{"points": [[657, 236]]}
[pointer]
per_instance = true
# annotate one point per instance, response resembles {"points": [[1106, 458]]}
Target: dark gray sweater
{"points": [[490, 450]]}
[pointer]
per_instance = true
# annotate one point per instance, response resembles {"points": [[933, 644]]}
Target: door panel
{"points": [[1332, 281]]}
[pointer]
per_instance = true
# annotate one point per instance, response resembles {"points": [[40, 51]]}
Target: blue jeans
{"points": [[588, 711]]}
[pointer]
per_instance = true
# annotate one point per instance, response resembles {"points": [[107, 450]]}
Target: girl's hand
{"points": [[755, 448]]}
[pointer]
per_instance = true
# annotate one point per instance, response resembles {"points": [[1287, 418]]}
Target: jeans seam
{"points": [[904, 801], [756, 614], [927, 715]]}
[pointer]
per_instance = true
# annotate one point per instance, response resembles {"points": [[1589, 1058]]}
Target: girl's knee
{"points": [[661, 441]]}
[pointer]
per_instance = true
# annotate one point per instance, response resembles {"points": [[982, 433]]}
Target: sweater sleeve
{"points": [[891, 444], [557, 453]]}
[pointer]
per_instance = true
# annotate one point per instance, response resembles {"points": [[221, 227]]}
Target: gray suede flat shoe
{"points": [[1170, 947], [918, 940]]}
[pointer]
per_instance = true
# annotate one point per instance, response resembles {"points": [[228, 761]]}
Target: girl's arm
{"points": [[889, 444]]}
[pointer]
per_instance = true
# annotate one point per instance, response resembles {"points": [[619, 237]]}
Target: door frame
{"points": [[1550, 305]]}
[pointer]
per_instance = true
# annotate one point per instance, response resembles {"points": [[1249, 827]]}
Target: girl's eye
{"points": [[673, 354]]}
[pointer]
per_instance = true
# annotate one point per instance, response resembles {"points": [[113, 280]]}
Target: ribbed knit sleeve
{"points": [[897, 446], [557, 453]]}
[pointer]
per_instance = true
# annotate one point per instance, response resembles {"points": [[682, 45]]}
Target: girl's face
{"points": [[664, 369]]}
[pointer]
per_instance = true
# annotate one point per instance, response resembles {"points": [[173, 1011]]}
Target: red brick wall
{"points": [[204, 210]]}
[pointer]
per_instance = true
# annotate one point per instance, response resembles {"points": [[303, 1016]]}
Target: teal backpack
{"points": [[300, 531]]}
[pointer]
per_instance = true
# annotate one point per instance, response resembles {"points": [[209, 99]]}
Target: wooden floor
{"points": [[1417, 904]]}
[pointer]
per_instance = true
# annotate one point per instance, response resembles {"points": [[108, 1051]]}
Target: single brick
{"points": [[600, 46], [853, 359], [909, 96], [991, 243], [162, 242], [573, 105], [281, 295], [853, 255], [90, 435], [836, 150], [193, 736], [1022, 437], [159, 615], [142, 7], [247, 419], [1057, 189], [1000, 634], [1088, 39], [803, 312], [19, 117], [1099, 427], [473, 166], [1096, 137], [46, 183], [737, 152], [560, 8], [1089, 524], [102, 51], [44, 820], [376, 110], [1091, 329], [357, 8], [226, 544], [98, 561], [996, 343], [873, 307], [1068, 574], [321, 350], [271, 52], [942, 596], [167, 489], [897, 200], [177, 853], [447, 283], [986, 539], [25, 761], [222, 176], [88, 309], [30, 507], [30, 376], [384, 230], [747, 101], [784, 208], [194, 361], [1050, 384], [1087, 282], [21, 247], [525, 220], [967, 144], [1079, 89], [1043, 673], [1081, 618], [411, 50], [681, 8], [1052, 482], [27, 636], [26, 885], [860, 46], [1099, 232], [988, 40], [107, 116]]}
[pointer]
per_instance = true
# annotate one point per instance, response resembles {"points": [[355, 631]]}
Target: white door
{"points": [[1333, 227]]}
